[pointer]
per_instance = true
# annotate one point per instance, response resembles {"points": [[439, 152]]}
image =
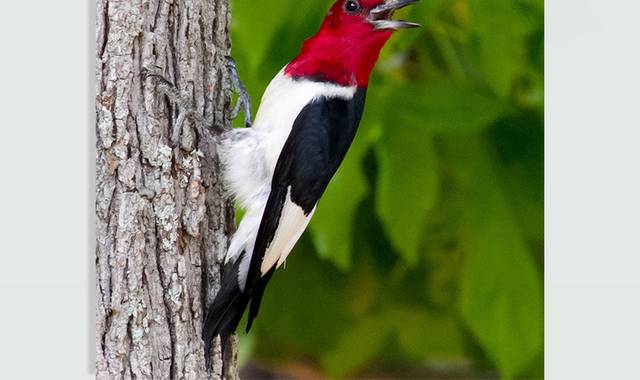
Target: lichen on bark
{"points": [[162, 217]]}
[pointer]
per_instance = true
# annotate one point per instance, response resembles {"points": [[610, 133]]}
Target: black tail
{"points": [[256, 297], [224, 314]]}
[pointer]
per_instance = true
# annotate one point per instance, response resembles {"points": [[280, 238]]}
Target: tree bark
{"points": [[162, 219]]}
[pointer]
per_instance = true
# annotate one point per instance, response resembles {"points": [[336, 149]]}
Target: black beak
{"points": [[380, 16]]}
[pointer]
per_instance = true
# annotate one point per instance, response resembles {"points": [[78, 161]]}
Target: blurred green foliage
{"points": [[427, 247]]}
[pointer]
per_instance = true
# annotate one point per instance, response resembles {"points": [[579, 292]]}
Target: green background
{"points": [[425, 257]]}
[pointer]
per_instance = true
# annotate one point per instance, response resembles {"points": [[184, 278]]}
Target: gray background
{"points": [[46, 187]]}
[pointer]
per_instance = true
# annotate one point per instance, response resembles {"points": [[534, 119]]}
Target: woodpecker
{"points": [[279, 168]]}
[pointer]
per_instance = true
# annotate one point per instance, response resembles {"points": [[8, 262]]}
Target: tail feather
{"points": [[224, 314], [256, 297]]}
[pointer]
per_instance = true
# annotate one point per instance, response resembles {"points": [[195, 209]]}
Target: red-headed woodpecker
{"points": [[279, 168]]}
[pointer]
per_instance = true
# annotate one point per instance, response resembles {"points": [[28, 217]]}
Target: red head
{"points": [[346, 48]]}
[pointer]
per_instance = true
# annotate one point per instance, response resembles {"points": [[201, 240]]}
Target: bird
{"points": [[279, 168]]}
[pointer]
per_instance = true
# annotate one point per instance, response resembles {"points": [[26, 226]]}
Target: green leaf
{"points": [[357, 347], [500, 288], [422, 334], [519, 144], [499, 36], [254, 26], [333, 222], [440, 107], [407, 184]]}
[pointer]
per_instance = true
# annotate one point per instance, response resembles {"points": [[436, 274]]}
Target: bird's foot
{"points": [[244, 100], [182, 103]]}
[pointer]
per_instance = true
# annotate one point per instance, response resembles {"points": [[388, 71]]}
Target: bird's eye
{"points": [[352, 6]]}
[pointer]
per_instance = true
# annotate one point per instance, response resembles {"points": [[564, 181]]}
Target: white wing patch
{"points": [[291, 225]]}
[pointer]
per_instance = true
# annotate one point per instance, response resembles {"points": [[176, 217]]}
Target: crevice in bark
{"points": [[105, 19]]}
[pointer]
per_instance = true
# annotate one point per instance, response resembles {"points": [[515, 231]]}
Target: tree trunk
{"points": [[162, 219]]}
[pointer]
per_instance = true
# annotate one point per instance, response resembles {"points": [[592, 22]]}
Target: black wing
{"points": [[317, 144]]}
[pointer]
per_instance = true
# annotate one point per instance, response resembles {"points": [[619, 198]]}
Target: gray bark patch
{"points": [[163, 221]]}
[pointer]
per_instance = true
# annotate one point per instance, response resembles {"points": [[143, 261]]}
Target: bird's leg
{"points": [[244, 100], [182, 103]]}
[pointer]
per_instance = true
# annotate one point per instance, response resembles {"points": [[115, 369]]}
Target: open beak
{"points": [[380, 16]]}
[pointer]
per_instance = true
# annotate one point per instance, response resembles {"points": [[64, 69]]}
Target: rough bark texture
{"points": [[162, 218]]}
